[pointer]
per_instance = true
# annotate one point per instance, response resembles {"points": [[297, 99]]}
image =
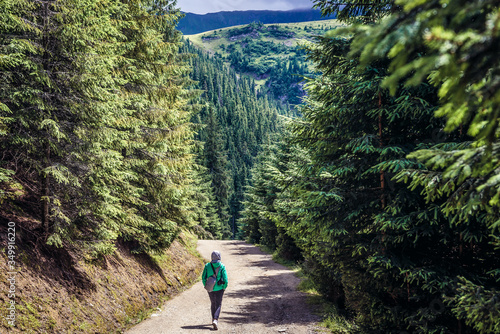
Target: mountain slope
{"points": [[197, 23], [58, 291], [270, 53], [233, 122]]}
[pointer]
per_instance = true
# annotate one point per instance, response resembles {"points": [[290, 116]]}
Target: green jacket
{"points": [[207, 271]]}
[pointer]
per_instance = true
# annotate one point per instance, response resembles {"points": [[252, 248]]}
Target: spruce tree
{"points": [[93, 96], [50, 91], [384, 227], [260, 195], [160, 156], [216, 163], [264, 218], [455, 46], [203, 206]]}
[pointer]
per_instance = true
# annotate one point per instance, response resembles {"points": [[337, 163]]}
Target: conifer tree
{"points": [[153, 94], [216, 163], [12, 56], [357, 135], [256, 221], [237, 122], [204, 206], [455, 45], [377, 244], [93, 95], [44, 90], [363, 245], [263, 219]]}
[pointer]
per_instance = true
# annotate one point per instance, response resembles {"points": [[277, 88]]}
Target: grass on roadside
{"points": [[331, 318]]}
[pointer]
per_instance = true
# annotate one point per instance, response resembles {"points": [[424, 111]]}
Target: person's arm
{"points": [[224, 277], [204, 276]]}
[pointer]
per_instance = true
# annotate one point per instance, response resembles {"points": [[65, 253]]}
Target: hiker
{"points": [[215, 287]]}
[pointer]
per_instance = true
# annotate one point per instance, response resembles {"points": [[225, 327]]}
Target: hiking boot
{"points": [[214, 323]]}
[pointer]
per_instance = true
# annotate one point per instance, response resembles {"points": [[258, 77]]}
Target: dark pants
{"points": [[216, 303]]}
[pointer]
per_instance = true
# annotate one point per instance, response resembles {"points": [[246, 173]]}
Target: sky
{"points": [[211, 6]]}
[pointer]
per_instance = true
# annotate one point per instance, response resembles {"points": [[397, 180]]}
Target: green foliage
{"points": [[234, 122], [94, 119], [459, 39], [395, 212], [215, 161], [453, 44], [261, 193], [355, 10], [478, 306], [204, 206], [259, 221]]}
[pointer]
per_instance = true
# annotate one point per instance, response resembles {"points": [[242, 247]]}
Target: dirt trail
{"points": [[261, 298]]}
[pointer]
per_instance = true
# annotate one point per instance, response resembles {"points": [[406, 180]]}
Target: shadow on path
{"points": [[208, 327], [271, 298]]}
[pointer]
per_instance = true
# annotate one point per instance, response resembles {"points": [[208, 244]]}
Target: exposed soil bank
{"points": [[55, 293]]}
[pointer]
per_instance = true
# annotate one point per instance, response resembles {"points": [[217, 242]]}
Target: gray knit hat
{"points": [[216, 256]]}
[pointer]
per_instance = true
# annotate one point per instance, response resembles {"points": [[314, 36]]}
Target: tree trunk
{"points": [[46, 192], [46, 164], [381, 142]]}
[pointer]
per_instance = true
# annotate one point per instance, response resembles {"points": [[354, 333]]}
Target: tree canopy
{"points": [[96, 138], [391, 190]]}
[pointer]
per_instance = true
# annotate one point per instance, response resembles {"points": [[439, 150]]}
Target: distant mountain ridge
{"points": [[198, 23]]}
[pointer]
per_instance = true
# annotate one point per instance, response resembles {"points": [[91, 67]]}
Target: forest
{"points": [[386, 189], [271, 54], [233, 122], [382, 182]]}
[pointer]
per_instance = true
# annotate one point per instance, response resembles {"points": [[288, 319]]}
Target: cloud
{"points": [[211, 6]]}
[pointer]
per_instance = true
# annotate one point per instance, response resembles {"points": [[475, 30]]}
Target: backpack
{"points": [[211, 280]]}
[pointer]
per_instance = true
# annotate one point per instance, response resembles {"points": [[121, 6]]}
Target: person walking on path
{"points": [[217, 268]]}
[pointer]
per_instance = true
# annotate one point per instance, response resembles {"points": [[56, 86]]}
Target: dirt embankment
{"points": [[261, 298], [54, 293]]}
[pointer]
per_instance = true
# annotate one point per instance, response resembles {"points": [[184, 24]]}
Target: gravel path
{"points": [[261, 298]]}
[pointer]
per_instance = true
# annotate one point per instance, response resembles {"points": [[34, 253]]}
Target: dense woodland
{"points": [[233, 122], [97, 144], [384, 186], [114, 129], [272, 54], [389, 183]]}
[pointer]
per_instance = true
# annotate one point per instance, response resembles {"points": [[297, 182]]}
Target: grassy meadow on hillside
{"points": [[212, 40], [272, 54]]}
